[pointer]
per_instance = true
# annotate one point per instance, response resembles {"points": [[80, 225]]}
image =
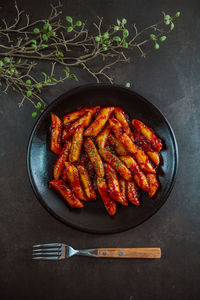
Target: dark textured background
{"points": [[169, 78]]}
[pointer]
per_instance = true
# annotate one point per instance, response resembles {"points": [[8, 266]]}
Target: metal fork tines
{"points": [[53, 251]]}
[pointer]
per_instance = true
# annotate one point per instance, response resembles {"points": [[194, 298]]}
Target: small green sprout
{"points": [[28, 82], [36, 30], [29, 93], [69, 19], [34, 114]]}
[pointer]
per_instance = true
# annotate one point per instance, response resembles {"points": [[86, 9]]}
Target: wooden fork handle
{"points": [[130, 252]]}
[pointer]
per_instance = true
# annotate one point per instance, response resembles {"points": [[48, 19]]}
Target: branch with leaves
{"points": [[68, 44]]}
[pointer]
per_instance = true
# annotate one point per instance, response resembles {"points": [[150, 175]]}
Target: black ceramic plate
{"points": [[93, 217]]}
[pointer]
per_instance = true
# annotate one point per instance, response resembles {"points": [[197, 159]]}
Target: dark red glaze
{"points": [[132, 192], [121, 117], [77, 141], [56, 131], [74, 182], [94, 157], [142, 142], [113, 185], [116, 163], [138, 175], [122, 185], [59, 165], [153, 184], [121, 135], [83, 160], [64, 175], [144, 162], [90, 168], [116, 145], [99, 121], [148, 133], [109, 204], [102, 137], [66, 192], [84, 120], [86, 183]]}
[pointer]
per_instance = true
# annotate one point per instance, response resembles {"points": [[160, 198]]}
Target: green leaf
{"points": [[73, 76], [106, 35], [12, 70], [156, 46], [105, 48], [39, 105], [45, 37], [167, 22], [118, 22], [78, 23], [34, 42], [97, 38], [28, 81], [167, 17], [107, 42], [54, 79], [124, 21], [18, 62], [29, 93], [52, 33], [34, 114], [177, 14], [60, 54], [0, 83], [50, 27], [45, 75], [116, 28], [69, 19], [36, 30], [162, 38], [42, 110], [46, 26], [125, 44], [44, 45], [125, 33], [1, 63], [127, 85], [34, 46], [116, 38], [69, 29], [7, 59], [67, 69], [172, 26], [48, 80], [152, 36], [38, 86]]}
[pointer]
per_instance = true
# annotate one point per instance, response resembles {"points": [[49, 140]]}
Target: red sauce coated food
{"points": [[99, 153]]}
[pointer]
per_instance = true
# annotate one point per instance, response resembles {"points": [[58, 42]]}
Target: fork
{"points": [[57, 251]]}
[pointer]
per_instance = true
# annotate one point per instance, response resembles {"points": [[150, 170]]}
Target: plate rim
{"points": [[37, 194]]}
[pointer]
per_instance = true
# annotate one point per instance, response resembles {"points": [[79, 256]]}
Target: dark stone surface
{"points": [[169, 78]]}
